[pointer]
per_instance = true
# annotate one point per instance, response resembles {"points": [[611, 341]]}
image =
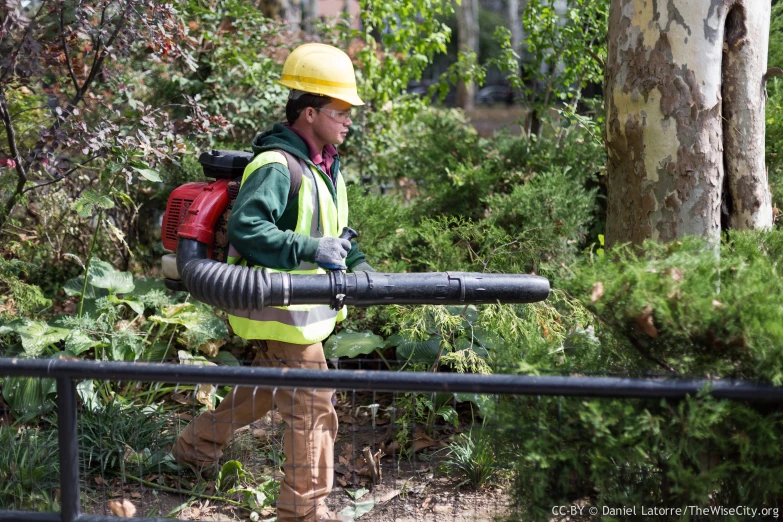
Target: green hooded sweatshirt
{"points": [[262, 220]]}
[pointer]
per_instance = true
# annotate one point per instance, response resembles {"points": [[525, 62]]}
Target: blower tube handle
{"points": [[348, 233]]}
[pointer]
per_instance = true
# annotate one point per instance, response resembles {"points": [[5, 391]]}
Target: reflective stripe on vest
{"points": [[318, 216]]}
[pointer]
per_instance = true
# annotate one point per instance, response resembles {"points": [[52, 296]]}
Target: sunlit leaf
{"points": [[90, 200], [351, 344], [148, 174], [37, 335], [79, 342], [29, 397]]}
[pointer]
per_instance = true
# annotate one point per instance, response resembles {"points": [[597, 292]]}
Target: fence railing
{"points": [[68, 372]]}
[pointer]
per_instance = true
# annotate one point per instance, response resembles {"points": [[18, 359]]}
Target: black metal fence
{"points": [[68, 372]]}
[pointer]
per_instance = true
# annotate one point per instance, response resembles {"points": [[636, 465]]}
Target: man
{"points": [[290, 210]]}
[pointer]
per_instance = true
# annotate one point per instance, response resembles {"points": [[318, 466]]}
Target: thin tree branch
{"points": [[61, 176], [21, 173], [65, 50], [595, 56], [27, 30], [100, 55]]}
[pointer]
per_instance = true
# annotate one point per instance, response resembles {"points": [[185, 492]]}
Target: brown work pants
{"points": [[308, 443]]}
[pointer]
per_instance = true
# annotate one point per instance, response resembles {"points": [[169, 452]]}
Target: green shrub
{"points": [[471, 458], [774, 137], [552, 211], [684, 309], [29, 468], [688, 309], [694, 452], [121, 437]]}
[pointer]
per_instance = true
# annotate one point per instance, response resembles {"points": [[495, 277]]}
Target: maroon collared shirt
{"points": [[321, 159]]}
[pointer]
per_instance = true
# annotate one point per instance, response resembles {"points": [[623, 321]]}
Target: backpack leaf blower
{"points": [[194, 226]]}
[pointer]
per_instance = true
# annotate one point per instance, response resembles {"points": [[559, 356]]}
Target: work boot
{"points": [[203, 470]]}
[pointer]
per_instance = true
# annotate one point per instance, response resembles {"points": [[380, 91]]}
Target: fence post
{"points": [[69, 449]]}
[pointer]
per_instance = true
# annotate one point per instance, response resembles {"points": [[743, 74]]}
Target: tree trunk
{"points": [[685, 118], [287, 11], [468, 29], [309, 15], [515, 24]]}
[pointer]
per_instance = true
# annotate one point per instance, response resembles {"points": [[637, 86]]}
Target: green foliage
{"points": [[141, 323], [697, 451], [681, 308], [231, 67], [471, 458], [256, 492], [558, 42], [29, 468], [775, 56], [121, 437], [678, 309], [25, 298], [774, 138], [29, 397], [398, 40], [351, 344]]}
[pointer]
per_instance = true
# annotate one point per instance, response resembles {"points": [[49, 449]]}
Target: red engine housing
{"points": [[199, 211]]}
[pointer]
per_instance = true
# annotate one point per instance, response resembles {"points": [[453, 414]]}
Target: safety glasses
{"points": [[338, 116]]}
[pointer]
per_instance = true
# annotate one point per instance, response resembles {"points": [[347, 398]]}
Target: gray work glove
{"points": [[331, 252], [363, 267]]}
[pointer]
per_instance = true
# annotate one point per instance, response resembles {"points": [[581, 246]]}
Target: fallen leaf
{"points": [[393, 446], [645, 322], [716, 303], [100, 481], [341, 481], [598, 292], [420, 440], [211, 348], [205, 394], [426, 503], [442, 508], [122, 509], [135, 494]]}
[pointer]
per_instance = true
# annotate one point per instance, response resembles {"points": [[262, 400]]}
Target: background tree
{"points": [[467, 33], [685, 119]]}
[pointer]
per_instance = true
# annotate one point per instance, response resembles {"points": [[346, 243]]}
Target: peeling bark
{"points": [[744, 65], [665, 135]]}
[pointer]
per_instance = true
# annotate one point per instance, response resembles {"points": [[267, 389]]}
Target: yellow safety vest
{"points": [[318, 217]]}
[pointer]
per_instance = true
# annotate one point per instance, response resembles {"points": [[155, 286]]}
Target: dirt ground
{"points": [[489, 119], [412, 487]]}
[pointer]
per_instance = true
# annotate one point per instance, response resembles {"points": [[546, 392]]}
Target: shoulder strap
{"points": [[296, 167]]}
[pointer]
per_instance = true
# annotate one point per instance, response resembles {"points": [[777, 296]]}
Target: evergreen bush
{"points": [[685, 309]]}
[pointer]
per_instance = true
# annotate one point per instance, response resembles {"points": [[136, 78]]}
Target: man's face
{"points": [[330, 123]]}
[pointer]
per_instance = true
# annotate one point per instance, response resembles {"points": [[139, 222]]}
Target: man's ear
{"points": [[309, 114]]}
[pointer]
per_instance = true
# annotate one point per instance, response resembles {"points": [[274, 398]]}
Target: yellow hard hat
{"points": [[321, 69]]}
